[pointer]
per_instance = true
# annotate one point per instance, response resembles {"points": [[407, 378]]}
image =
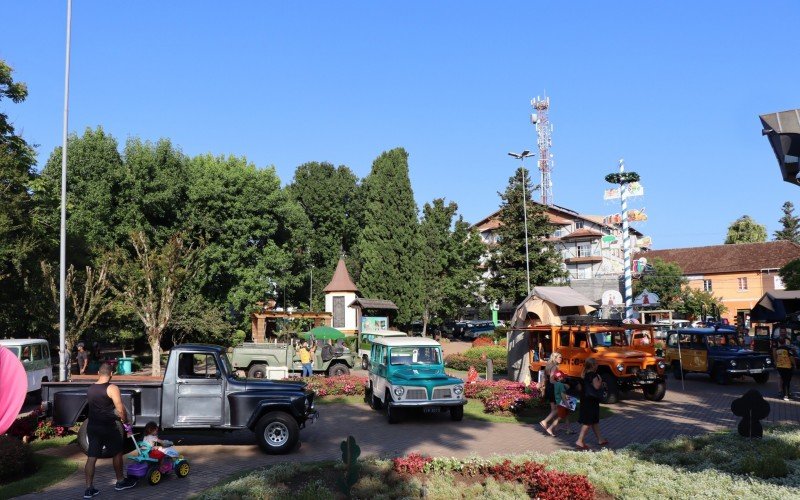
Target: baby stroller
{"points": [[146, 466]]}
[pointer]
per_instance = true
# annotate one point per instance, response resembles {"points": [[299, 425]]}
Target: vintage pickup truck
{"points": [[198, 391]]}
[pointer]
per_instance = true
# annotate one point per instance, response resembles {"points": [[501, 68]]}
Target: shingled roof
{"points": [[728, 258], [341, 281]]}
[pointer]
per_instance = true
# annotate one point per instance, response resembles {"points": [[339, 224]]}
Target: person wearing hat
{"points": [[82, 358]]}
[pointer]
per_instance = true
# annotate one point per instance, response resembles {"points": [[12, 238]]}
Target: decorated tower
{"points": [[339, 294]]}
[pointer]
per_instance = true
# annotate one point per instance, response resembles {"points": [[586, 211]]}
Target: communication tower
{"points": [[544, 130]]}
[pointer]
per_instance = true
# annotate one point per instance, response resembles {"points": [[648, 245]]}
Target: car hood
{"points": [[274, 385], [623, 354], [420, 374], [737, 353]]}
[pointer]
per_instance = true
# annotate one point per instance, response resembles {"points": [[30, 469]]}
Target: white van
{"points": [[35, 357]]}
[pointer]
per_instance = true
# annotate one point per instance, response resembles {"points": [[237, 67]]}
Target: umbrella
{"points": [[13, 389], [323, 333]]}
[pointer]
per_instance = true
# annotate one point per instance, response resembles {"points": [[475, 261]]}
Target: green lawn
{"points": [[53, 442], [51, 471]]}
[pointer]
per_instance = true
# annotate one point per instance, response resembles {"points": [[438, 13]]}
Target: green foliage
{"points": [[692, 302], [508, 281], [790, 224], [790, 274], [350, 453], [16, 459], [666, 281], [389, 245], [449, 260], [493, 352], [622, 178], [746, 230]]}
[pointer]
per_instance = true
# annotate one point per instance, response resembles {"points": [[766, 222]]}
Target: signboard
{"points": [[608, 241], [374, 323], [612, 219], [639, 265], [611, 298], [637, 216], [646, 299], [611, 194], [644, 242], [635, 189]]}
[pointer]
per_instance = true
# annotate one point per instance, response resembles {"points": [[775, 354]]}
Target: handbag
{"points": [[599, 394]]}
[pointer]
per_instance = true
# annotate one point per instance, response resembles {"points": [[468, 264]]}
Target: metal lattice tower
{"points": [[544, 140]]}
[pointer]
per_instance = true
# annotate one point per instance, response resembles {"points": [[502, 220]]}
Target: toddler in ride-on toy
{"points": [[159, 447]]}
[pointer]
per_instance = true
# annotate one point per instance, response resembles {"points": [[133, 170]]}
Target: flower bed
{"points": [[345, 385], [477, 356], [488, 341], [504, 397]]}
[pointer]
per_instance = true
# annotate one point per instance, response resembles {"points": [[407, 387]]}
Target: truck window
{"points": [[563, 338], [579, 340], [36, 352], [197, 366]]}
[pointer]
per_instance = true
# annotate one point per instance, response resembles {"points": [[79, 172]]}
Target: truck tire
{"points": [[655, 392], [257, 371], [374, 402], [338, 370], [677, 371], [457, 413], [83, 440], [761, 378], [365, 362], [277, 433], [392, 414], [612, 390]]}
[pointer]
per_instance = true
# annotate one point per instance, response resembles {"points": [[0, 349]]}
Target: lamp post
{"points": [[62, 299], [521, 157]]}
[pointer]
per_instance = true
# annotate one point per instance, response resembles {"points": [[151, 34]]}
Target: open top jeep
{"points": [[621, 365], [408, 372]]}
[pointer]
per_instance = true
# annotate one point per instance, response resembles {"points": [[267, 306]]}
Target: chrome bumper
{"points": [[427, 404]]}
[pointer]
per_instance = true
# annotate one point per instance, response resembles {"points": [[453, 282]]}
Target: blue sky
{"points": [[673, 87]]}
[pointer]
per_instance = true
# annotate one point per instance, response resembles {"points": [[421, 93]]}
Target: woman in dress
{"points": [[549, 390], [589, 411]]}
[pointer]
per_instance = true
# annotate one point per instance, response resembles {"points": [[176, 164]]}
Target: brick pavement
{"points": [[702, 407]]}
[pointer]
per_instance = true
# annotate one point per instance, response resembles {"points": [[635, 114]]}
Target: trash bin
{"points": [[124, 366]]}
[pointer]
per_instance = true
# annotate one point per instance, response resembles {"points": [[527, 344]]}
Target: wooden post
{"points": [[489, 370]]}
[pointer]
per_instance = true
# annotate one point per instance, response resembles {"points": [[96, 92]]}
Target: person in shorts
{"points": [[105, 410]]}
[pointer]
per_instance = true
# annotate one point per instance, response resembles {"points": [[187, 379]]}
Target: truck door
{"points": [[199, 392]]}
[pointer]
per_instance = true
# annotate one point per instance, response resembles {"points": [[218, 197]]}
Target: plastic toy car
{"points": [[147, 467]]}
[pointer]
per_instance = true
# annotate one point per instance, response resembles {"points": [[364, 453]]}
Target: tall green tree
{"points": [[508, 280], [328, 196], [449, 260], [389, 244], [666, 280], [790, 224], [693, 303], [746, 230], [790, 274]]}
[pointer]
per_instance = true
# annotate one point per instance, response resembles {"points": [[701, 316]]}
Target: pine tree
{"points": [[790, 224], [746, 230], [508, 281], [389, 244]]}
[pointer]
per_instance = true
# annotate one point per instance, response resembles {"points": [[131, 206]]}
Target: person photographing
{"points": [[104, 410]]}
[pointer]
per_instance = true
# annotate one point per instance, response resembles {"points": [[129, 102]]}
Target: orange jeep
{"points": [[621, 365]]}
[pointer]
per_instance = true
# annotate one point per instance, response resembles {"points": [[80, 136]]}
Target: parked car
{"points": [[408, 373], [475, 329], [717, 352], [35, 357], [365, 340], [260, 360], [199, 390]]}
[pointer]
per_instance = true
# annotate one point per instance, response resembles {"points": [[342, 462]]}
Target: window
{"points": [[338, 311], [742, 284], [578, 224], [197, 366], [584, 250], [564, 338], [579, 339], [707, 285], [37, 352]]}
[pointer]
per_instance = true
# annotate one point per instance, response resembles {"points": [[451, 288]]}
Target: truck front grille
{"points": [[416, 394], [442, 393]]}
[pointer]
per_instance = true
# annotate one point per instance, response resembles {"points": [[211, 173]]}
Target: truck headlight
{"points": [[733, 362], [620, 367], [768, 361], [399, 390], [458, 390], [661, 365]]}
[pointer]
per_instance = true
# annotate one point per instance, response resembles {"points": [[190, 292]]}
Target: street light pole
{"points": [[521, 157], [62, 300]]}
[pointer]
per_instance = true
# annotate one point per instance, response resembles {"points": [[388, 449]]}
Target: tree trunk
{"points": [[155, 348], [425, 316]]}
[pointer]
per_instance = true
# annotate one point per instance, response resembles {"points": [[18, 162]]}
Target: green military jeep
{"points": [[408, 373]]}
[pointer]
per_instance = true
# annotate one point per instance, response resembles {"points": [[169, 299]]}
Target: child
{"points": [[563, 402], [159, 447]]}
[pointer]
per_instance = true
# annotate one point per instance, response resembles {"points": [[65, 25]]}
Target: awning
{"points": [[562, 296], [373, 304], [775, 306]]}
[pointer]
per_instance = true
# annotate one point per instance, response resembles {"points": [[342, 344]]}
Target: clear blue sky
{"points": [[673, 87]]}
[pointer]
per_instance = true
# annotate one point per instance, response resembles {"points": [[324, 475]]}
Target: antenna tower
{"points": [[544, 130]]}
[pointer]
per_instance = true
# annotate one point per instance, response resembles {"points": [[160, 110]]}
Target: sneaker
{"points": [[91, 492], [125, 484], [786, 398]]}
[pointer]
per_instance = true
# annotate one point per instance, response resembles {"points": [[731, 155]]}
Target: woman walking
{"points": [[589, 411], [549, 390], [784, 361]]}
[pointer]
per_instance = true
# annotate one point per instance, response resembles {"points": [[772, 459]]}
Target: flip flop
{"points": [[603, 442], [549, 433], [584, 447]]}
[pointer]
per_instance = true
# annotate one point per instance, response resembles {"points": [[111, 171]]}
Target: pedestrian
{"points": [[549, 390], [82, 358], [562, 399], [589, 412], [305, 359], [105, 409], [785, 363]]}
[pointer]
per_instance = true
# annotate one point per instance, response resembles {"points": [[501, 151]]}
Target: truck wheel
{"points": [[83, 440], [277, 433], [761, 378], [677, 371], [721, 375], [612, 391], [457, 413], [365, 362], [257, 371], [374, 402], [392, 414], [655, 392], [338, 369]]}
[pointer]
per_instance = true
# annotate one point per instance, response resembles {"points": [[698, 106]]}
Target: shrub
{"points": [[494, 352], [345, 385], [16, 459], [542, 483], [414, 463], [25, 426], [460, 362], [46, 430], [482, 341], [504, 397]]}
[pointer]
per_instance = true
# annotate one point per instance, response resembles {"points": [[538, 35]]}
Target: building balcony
{"points": [[587, 259]]}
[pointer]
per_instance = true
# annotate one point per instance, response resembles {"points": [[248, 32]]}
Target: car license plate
{"points": [[756, 370], [434, 409]]}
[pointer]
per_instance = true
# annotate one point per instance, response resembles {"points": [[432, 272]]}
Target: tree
{"points": [[746, 230], [790, 224], [508, 280], [693, 303], [666, 280], [449, 260], [389, 243], [790, 274], [328, 196], [150, 280]]}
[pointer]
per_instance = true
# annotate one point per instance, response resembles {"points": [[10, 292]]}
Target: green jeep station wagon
{"points": [[408, 372]]}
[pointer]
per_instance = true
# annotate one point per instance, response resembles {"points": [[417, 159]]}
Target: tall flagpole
{"points": [[62, 270], [626, 245]]}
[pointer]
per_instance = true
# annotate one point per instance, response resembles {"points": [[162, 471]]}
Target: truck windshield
{"points": [[722, 341], [13, 349], [415, 356], [609, 339]]}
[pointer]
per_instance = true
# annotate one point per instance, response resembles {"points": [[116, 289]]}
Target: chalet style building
{"points": [[739, 275]]}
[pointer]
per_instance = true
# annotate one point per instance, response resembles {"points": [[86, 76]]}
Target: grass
{"points": [[51, 470], [53, 442], [349, 400]]}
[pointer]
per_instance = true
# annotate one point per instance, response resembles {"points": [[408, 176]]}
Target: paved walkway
{"points": [[702, 407]]}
